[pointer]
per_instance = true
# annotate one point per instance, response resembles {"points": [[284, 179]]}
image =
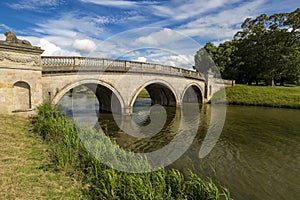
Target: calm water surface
{"points": [[257, 155]]}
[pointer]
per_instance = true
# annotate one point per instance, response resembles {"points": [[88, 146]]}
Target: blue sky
{"points": [[167, 31]]}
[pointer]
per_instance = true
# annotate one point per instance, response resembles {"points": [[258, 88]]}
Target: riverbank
{"points": [[26, 171], [279, 96]]}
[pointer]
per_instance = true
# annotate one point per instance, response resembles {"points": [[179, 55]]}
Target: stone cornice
{"points": [[5, 56], [19, 48]]}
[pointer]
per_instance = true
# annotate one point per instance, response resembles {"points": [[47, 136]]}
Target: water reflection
{"points": [[257, 155]]}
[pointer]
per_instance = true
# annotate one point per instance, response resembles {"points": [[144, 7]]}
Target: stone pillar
{"points": [[209, 85], [20, 76]]}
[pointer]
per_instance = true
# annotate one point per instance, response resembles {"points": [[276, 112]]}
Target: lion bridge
{"points": [[28, 79]]}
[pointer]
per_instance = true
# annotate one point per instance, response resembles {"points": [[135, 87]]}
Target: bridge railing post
{"points": [[76, 61], [127, 65]]}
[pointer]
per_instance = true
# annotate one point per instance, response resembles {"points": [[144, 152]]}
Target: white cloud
{"points": [[111, 2], [34, 4], [121, 3], [158, 38], [221, 25], [50, 48], [70, 24], [114, 3], [182, 61], [84, 46], [54, 50], [217, 42], [180, 10], [81, 32], [141, 59], [4, 27]]}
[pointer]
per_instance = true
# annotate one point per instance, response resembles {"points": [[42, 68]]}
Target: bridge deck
{"points": [[59, 64]]}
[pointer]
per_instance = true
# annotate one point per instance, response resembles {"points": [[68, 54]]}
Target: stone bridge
{"points": [[28, 79]]}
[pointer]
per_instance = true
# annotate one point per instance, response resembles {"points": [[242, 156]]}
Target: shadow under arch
{"points": [[108, 97], [192, 94], [160, 92]]}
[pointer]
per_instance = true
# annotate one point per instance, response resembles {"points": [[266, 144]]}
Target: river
{"points": [[257, 155]]}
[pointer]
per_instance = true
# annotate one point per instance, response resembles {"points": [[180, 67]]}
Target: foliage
{"points": [[267, 48], [103, 182], [144, 94], [203, 60]]}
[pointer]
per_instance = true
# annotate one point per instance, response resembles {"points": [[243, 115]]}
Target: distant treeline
{"points": [[266, 50]]}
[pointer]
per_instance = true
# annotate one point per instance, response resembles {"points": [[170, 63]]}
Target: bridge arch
{"points": [[109, 98], [192, 93], [160, 91]]}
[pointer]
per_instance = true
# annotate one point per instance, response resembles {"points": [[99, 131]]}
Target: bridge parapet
{"points": [[58, 64]]}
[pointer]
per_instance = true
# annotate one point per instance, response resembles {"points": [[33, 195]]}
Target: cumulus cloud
{"points": [[84, 46], [141, 59], [54, 50]]}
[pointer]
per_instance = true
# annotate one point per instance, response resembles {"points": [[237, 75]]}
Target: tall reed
{"points": [[102, 182]]}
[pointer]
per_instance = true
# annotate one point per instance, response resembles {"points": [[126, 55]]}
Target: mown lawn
{"points": [[25, 166], [282, 97]]}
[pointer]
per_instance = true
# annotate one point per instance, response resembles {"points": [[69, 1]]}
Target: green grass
{"points": [[102, 182], [144, 94], [25, 166], [281, 97]]}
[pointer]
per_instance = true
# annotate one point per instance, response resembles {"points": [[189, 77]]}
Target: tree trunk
{"points": [[281, 82], [273, 82]]}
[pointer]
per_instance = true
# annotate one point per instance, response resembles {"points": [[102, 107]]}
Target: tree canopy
{"points": [[266, 49]]}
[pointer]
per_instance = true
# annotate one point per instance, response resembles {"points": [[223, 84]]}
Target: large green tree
{"points": [[267, 48]]}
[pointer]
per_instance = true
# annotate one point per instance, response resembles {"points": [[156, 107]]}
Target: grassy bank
{"points": [[282, 97], [102, 182], [26, 171], [144, 94]]}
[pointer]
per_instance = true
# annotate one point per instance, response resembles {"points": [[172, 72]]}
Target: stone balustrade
{"points": [[57, 64]]}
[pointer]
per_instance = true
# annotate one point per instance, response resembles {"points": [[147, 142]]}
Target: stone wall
{"points": [[214, 84], [126, 87], [20, 78]]}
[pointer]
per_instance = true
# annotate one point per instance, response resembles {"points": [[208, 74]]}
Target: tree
{"points": [[267, 48], [220, 57], [203, 61], [267, 45]]}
